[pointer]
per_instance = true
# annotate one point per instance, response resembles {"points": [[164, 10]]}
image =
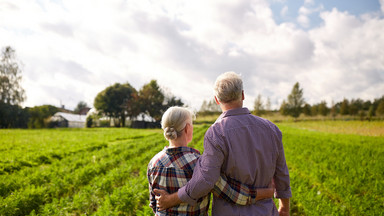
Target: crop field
{"points": [[102, 171]]}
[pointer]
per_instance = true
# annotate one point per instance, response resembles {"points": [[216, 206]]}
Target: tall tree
{"points": [[295, 101], [152, 100], [323, 109], [307, 110], [344, 107], [11, 91], [268, 105], [284, 108], [258, 105], [380, 109], [81, 105], [170, 100], [116, 101]]}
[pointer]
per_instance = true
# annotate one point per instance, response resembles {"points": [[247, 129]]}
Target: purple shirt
{"points": [[246, 148]]}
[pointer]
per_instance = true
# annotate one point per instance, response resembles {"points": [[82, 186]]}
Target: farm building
{"points": [[62, 119]]}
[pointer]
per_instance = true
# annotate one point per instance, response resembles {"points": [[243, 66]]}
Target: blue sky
{"points": [[355, 7], [71, 50]]}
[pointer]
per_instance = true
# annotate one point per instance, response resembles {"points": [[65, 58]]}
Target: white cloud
{"points": [[382, 5], [72, 51], [284, 11]]}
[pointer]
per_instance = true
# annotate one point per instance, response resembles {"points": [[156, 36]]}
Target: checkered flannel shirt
{"points": [[171, 169]]}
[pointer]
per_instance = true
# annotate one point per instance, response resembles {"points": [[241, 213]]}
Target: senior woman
{"points": [[172, 167]]}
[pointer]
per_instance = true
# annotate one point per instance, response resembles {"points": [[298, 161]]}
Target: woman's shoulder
{"points": [[158, 159]]}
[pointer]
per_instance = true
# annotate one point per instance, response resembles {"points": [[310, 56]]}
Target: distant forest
{"points": [[121, 101]]}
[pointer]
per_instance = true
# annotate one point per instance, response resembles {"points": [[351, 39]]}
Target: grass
{"points": [[335, 168]]}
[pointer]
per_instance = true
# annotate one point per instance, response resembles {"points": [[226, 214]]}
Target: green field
{"points": [[103, 171]]}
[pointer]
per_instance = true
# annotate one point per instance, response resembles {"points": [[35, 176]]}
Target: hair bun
{"points": [[170, 133]]}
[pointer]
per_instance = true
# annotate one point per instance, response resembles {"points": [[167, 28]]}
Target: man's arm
{"points": [[206, 172], [230, 190], [281, 177], [205, 175], [238, 193]]}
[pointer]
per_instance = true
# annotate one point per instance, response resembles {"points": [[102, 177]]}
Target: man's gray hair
{"points": [[228, 87]]}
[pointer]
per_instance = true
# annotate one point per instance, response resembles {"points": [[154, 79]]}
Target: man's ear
{"points": [[242, 93], [217, 101]]}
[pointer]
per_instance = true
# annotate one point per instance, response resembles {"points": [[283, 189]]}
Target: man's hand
{"points": [[283, 212], [284, 207], [166, 200]]}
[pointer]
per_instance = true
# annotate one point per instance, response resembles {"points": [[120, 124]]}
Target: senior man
{"points": [[241, 146]]}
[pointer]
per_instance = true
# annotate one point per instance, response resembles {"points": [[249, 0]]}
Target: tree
{"points": [[152, 99], [295, 101], [11, 91], [323, 109], [117, 101], [307, 109], [13, 116], [210, 107], [333, 110], [284, 108], [170, 100], [344, 107], [39, 116], [204, 107], [380, 109], [81, 105], [268, 105], [258, 106]]}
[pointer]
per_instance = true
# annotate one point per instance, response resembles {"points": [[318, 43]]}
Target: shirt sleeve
{"points": [[152, 200], [234, 191], [281, 176], [205, 174]]}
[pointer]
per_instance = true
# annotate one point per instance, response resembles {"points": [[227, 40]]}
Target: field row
{"points": [[103, 171], [335, 174], [83, 180]]}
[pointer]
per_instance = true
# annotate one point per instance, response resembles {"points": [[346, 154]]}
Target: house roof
{"points": [[72, 117]]}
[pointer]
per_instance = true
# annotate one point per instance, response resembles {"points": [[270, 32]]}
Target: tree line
{"points": [[122, 101], [117, 102], [295, 106]]}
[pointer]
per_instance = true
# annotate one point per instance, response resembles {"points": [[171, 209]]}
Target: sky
{"points": [[71, 50]]}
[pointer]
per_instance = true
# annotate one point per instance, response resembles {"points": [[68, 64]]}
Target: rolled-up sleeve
{"points": [[205, 174], [281, 176]]}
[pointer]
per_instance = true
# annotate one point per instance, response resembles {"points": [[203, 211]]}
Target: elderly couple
{"points": [[243, 162]]}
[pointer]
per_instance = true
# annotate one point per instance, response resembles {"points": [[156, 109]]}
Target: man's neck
{"points": [[228, 106]]}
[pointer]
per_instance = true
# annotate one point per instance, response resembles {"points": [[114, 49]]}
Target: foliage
{"points": [[295, 101], [116, 101], [122, 101], [81, 105], [380, 108], [331, 173], [209, 108], [39, 116], [258, 107], [13, 116], [11, 91], [152, 100], [102, 171]]}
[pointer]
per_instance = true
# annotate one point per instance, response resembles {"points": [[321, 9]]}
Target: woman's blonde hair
{"points": [[228, 87], [174, 121]]}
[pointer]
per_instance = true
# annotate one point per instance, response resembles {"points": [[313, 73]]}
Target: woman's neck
{"points": [[178, 143]]}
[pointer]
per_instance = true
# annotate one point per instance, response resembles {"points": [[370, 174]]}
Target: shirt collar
{"points": [[234, 112], [176, 150]]}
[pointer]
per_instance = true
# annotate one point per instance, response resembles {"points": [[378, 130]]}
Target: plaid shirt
{"points": [[172, 168]]}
